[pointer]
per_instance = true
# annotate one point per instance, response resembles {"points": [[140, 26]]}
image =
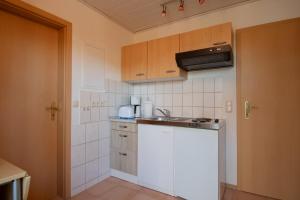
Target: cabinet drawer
{"points": [[129, 162], [125, 161], [124, 140], [122, 126]]}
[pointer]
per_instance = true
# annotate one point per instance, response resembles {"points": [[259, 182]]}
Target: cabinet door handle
{"points": [[219, 43], [123, 154], [124, 136], [170, 71], [122, 126], [140, 74]]}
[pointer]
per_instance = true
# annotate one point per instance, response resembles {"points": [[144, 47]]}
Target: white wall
{"points": [[254, 13]]}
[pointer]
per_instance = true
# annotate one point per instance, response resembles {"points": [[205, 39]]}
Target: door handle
{"points": [[124, 136], [219, 43], [247, 108], [53, 109], [170, 71]]}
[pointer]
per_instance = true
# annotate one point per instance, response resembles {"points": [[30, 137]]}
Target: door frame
{"points": [[64, 28]]}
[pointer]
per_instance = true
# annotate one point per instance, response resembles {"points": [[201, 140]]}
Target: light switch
{"points": [[228, 106]]}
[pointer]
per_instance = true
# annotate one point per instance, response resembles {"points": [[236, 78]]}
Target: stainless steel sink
{"points": [[168, 119]]}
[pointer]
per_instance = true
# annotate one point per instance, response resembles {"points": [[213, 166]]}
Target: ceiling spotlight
{"points": [[164, 11], [201, 2], [181, 5]]}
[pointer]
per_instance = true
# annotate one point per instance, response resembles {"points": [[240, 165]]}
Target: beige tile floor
{"points": [[116, 189]]}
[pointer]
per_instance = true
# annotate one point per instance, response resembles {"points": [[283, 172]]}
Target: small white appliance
{"points": [[137, 111], [126, 111], [136, 102], [148, 109]]}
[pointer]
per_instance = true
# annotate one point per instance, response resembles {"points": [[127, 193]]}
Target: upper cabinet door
{"points": [[206, 37], [161, 58], [134, 62], [221, 34]]}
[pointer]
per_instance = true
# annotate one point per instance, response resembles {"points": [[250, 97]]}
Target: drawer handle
{"points": [[140, 74], [122, 126], [124, 136], [123, 154], [170, 71], [218, 43]]}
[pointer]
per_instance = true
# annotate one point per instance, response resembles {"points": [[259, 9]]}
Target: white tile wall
{"points": [[105, 147], [91, 134], [187, 99], [177, 100], [105, 164], [92, 170], [78, 176], [78, 155], [201, 97], [187, 86], [92, 151], [177, 86], [78, 134]]}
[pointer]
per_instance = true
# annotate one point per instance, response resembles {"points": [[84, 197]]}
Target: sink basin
{"points": [[167, 119]]}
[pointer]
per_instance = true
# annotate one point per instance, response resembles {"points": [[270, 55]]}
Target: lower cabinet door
{"points": [[128, 162], [196, 164], [155, 157], [124, 161]]}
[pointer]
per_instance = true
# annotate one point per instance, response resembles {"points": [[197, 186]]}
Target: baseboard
{"points": [[124, 176], [230, 186]]}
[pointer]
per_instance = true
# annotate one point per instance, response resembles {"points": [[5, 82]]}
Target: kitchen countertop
{"points": [[118, 119], [185, 124], [180, 122]]}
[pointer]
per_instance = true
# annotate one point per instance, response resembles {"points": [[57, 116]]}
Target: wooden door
{"points": [[268, 71], [161, 58], [134, 62], [28, 84]]}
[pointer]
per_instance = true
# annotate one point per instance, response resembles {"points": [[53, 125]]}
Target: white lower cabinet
{"points": [[155, 158], [184, 162], [196, 164]]}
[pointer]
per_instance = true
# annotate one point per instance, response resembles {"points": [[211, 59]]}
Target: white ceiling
{"points": [[137, 15]]}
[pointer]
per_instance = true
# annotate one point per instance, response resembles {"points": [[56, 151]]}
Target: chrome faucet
{"points": [[165, 112]]}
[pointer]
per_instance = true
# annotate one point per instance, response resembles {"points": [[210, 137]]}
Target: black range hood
{"points": [[214, 57]]}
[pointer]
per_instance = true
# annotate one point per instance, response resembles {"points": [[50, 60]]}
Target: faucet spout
{"points": [[165, 112]]}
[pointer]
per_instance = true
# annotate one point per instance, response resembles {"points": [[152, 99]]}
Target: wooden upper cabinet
{"points": [[161, 58], [221, 34], [135, 62], [206, 37], [155, 59]]}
